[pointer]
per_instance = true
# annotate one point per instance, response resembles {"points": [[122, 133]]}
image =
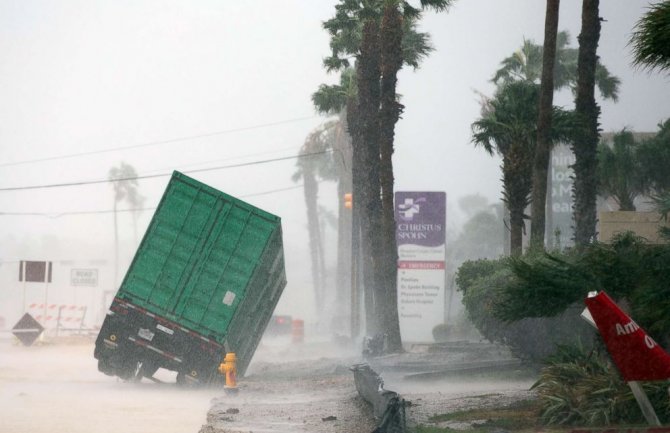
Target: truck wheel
{"points": [[128, 370], [105, 367]]}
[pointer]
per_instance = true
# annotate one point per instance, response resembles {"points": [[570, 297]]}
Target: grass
{"points": [[518, 417]]}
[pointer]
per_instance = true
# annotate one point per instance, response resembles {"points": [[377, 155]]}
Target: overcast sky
{"points": [[189, 85]]}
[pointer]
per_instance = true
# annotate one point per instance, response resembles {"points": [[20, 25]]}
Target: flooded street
{"points": [[58, 389]]}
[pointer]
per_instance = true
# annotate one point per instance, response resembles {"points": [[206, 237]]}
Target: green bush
{"points": [[531, 303], [442, 332], [470, 271], [531, 339], [577, 387]]}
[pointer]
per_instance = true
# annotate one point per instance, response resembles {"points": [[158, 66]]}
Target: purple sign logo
{"points": [[420, 218], [409, 208]]}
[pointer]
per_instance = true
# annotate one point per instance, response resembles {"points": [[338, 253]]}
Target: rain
{"points": [[101, 102]]}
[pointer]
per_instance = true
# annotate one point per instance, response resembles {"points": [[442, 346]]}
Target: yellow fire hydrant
{"points": [[229, 368]]}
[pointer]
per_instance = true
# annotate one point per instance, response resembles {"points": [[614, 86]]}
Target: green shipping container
{"points": [[209, 264]]}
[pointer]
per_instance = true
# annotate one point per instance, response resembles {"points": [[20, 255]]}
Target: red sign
{"points": [[636, 354]]}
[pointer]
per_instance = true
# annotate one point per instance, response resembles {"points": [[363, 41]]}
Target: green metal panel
{"points": [[210, 262]]}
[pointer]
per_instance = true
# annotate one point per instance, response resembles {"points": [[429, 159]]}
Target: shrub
{"points": [[577, 387], [531, 339], [442, 332]]}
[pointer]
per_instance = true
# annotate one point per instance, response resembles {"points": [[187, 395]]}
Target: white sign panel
{"points": [[84, 277], [420, 235]]}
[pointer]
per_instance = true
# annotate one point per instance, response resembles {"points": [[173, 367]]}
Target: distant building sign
{"points": [[84, 277], [562, 174], [420, 234], [35, 272]]}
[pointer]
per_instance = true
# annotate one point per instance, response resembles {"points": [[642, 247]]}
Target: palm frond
{"points": [[651, 38]]}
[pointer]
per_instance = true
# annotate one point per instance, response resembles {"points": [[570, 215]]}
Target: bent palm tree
{"points": [[310, 167]]}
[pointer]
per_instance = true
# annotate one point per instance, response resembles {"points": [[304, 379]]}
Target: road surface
{"points": [[57, 389]]}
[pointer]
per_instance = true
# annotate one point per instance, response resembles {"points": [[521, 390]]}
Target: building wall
{"points": [[644, 224]]}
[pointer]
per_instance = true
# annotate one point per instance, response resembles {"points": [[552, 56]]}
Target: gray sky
{"points": [[82, 76]]}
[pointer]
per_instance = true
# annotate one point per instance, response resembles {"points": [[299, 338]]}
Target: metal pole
{"points": [[22, 277], [24, 295], [644, 403], [46, 298]]}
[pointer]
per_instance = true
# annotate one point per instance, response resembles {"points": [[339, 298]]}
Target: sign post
{"points": [[420, 235]]}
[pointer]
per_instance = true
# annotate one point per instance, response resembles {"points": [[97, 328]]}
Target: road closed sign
{"points": [[84, 277]]}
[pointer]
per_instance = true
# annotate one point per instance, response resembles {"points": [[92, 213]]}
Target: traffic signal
{"points": [[348, 200]]}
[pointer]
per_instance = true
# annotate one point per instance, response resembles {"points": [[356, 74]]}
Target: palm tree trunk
{"points": [[368, 75], [310, 190], [543, 149], [357, 182], [585, 144], [516, 231], [626, 202], [344, 221], [391, 62]]}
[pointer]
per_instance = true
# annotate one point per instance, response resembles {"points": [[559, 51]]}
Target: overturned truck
{"points": [[204, 281]]}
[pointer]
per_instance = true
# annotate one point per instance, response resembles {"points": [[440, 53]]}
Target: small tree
{"points": [[619, 171]]}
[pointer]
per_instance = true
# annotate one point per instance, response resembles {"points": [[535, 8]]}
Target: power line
{"points": [[157, 142], [183, 167], [55, 215], [151, 176]]}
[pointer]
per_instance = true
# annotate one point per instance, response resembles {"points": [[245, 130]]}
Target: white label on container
{"points": [[146, 334], [229, 298], [165, 329]]}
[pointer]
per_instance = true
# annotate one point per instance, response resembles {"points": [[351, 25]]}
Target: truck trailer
{"points": [[204, 281]]}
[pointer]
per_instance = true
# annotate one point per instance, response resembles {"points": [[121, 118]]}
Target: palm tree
{"points": [[525, 64], [357, 32], [125, 185], [508, 127], [310, 167], [543, 149], [342, 100], [587, 111], [368, 74], [651, 39], [619, 171], [654, 157]]}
